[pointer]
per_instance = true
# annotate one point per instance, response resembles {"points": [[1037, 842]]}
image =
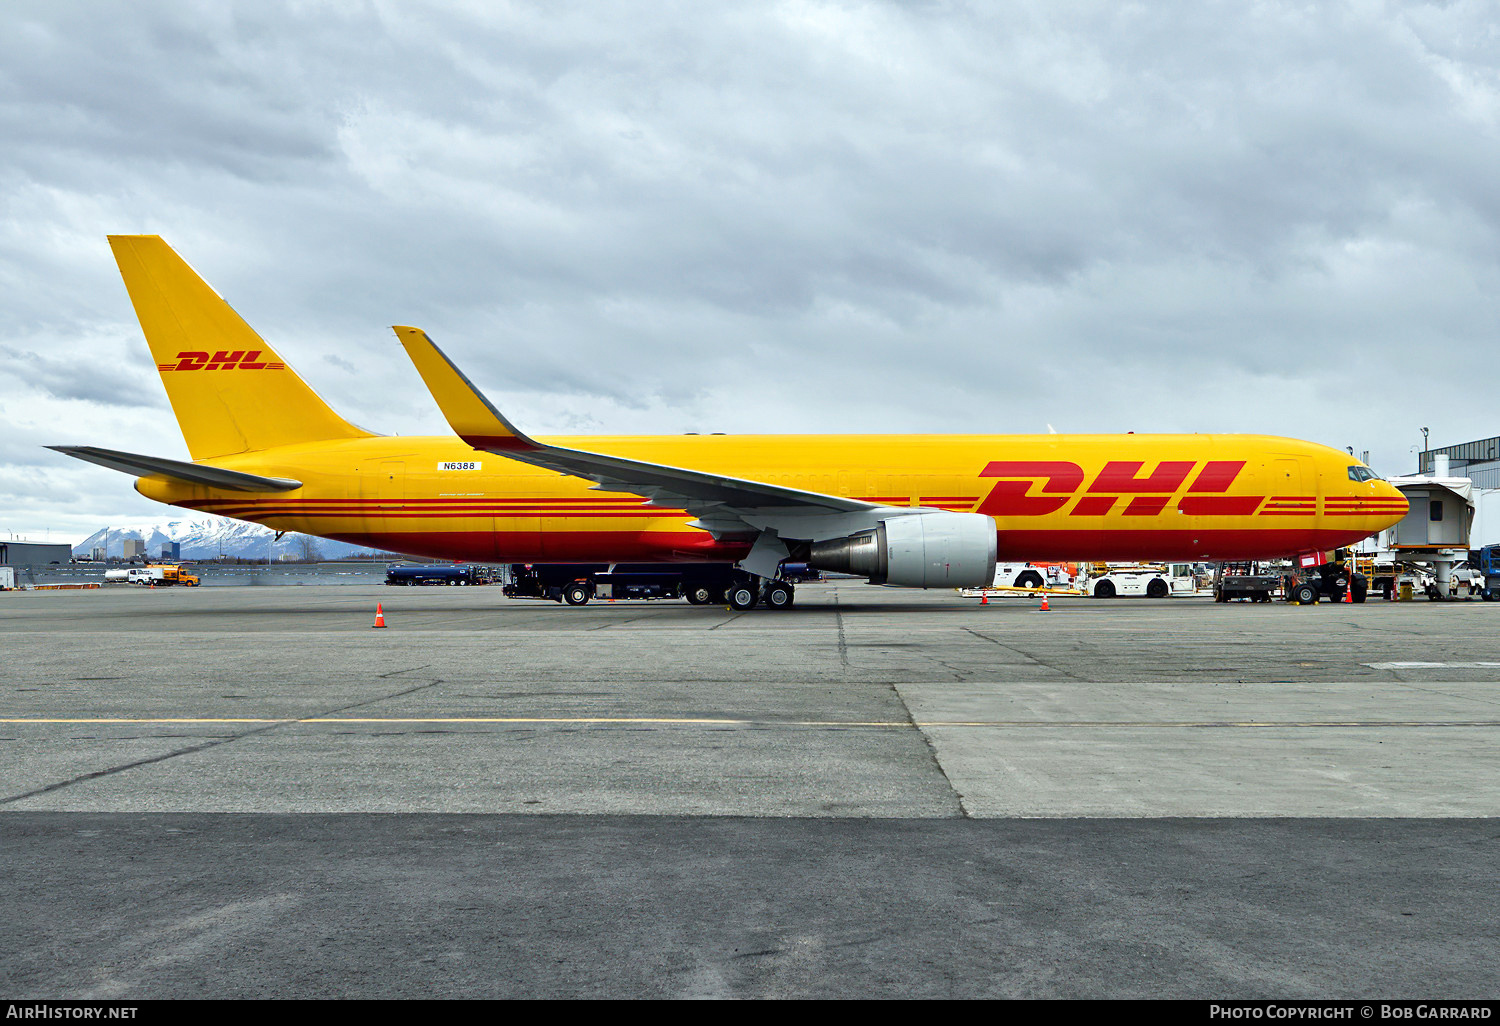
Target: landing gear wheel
{"points": [[779, 595], [1157, 589], [576, 595], [699, 595], [742, 596], [1104, 589]]}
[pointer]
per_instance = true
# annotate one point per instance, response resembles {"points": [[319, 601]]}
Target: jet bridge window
{"points": [[1361, 474]]}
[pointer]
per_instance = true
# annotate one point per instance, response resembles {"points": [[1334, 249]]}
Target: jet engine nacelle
{"points": [[921, 550]]}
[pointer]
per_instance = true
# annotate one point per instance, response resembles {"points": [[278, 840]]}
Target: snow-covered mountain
{"points": [[206, 539]]}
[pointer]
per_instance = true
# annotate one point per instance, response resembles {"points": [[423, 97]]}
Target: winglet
{"points": [[469, 413]]}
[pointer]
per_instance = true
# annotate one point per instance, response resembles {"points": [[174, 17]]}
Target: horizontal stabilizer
{"points": [[193, 473]]}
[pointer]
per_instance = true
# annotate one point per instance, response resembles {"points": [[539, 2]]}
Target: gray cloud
{"points": [[802, 216], [110, 378]]}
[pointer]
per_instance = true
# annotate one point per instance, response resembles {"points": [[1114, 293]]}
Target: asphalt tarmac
{"points": [[250, 792]]}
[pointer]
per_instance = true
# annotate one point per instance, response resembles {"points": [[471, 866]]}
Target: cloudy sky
{"points": [[775, 217]]}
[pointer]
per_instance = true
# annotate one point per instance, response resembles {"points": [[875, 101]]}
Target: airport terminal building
{"points": [[27, 553], [1479, 461]]}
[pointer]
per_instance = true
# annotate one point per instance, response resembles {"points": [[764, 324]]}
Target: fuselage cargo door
{"points": [[1286, 479], [1291, 505]]}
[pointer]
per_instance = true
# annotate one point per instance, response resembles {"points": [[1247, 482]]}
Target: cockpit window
{"points": [[1361, 474]]}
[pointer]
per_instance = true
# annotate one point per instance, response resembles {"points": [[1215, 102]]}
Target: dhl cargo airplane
{"points": [[921, 511]]}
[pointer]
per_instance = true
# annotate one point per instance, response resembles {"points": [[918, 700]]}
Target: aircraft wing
{"points": [[193, 473], [723, 505]]}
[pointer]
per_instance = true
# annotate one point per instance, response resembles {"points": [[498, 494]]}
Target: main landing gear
{"points": [[748, 594]]}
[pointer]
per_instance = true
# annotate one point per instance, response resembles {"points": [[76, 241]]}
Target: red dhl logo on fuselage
{"points": [[1149, 494], [239, 359]]}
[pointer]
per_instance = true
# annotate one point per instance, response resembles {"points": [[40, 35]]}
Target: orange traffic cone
{"points": [[1045, 607], [984, 597], [379, 616], [1349, 592]]}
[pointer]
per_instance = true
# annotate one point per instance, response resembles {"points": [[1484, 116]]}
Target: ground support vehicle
{"points": [[799, 573], [699, 583], [1465, 581], [1183, 578], [1383, 575], [1033, 575], [433, 574], [1028, 579], [153, 575], [1253, 580], [1307, 585], [7, 578], [1115, 580], [1487, 562], [1406, 579]]}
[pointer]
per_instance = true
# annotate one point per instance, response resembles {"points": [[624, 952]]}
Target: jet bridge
{"points": [[1436, 527]]}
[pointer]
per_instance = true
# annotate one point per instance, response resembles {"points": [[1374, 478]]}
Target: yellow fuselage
{"points": [[1054, 497]]}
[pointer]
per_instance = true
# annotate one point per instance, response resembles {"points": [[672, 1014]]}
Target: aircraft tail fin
{"points": [[230, 390]]}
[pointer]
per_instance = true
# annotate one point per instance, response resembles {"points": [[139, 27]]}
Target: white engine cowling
{"points": [[922, 550]]}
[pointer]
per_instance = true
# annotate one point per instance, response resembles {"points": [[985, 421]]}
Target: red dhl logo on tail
{"points": [[1148, 495], [239, 359]]}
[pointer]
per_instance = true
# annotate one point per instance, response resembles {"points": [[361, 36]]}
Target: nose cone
{"points": [[1382, 506], [1393, 503]]}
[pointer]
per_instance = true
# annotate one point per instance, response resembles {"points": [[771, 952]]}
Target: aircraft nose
{"points": [[1391, 505]]}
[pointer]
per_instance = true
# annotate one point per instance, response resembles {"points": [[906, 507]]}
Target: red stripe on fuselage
{"points": [[1233, 543], [696, 546], [1219, 505]]}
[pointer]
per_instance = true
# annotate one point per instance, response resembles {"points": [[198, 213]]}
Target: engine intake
{"points": [[922, 550]]}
